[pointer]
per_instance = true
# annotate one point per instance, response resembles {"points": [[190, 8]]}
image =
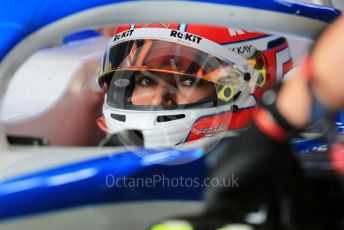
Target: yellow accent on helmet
{"points": [[225, 92], [261, 81], [262, 72], [171, 227]]}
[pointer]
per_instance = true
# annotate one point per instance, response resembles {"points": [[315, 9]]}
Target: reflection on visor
{"points": [[169, 57]]}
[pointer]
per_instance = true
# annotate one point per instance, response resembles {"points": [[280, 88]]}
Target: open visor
{"points": [[152, 73]]}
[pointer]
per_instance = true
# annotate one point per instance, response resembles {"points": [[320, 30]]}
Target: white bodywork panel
{"points": [[54, 94], [41, 82]]}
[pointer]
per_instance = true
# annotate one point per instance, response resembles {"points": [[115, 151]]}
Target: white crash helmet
{"points": [[181, 82]]}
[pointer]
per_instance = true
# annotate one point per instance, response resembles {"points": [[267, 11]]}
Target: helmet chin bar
{"points": [[130, 12]]}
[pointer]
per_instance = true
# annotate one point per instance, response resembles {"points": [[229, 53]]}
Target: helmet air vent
{"points": [[170, 117], [118, 117], [277, 42]]}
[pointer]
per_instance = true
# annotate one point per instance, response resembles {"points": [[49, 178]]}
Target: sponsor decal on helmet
{"points": [[124, 34], [122, 82], [185, 36], [209, 132], [242, 49], [236, 32]]}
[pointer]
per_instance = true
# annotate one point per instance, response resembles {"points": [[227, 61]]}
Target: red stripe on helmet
{"points": [[215, 124]]}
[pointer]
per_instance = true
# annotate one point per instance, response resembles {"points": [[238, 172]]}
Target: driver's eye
{"points": [[187, 82], [146, 81]]}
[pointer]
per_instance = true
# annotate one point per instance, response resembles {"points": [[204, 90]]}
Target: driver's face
{"points": [[167, 90]]}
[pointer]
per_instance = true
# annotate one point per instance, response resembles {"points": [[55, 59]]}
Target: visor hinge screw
{"points": [[234, 108], [247, 76]]}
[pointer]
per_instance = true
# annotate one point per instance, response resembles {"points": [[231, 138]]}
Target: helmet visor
{"points": [[155, 73]]}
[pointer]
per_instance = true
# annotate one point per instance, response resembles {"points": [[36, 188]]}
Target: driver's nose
{"points": [[163, 97]]}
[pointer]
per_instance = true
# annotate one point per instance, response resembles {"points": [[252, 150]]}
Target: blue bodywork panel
{"points": [[117, 177]]}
